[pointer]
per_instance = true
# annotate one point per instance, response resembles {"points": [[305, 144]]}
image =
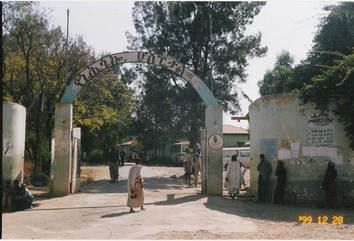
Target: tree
{"points": [[326, 75], [279, 79], [35, 72], [334, 38], [103, 110], [209, 38], [335, 85], [328, 70]]}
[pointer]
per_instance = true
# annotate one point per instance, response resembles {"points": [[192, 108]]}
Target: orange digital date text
{"points": [[307, 219]]}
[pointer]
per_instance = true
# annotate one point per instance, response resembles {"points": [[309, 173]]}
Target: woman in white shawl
{"points": [[233, 177], [135, 187]]}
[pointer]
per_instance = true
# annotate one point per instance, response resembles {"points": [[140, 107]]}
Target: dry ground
{"points": [[172, 212], [272, 221]]}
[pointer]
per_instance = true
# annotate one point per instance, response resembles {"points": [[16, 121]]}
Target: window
{"points": [[244, 153]]}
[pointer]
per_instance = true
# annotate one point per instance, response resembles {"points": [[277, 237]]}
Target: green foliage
{"points": [[328, 70], [336, 84], [326, 75], [278, 80], [96, 156], [103, 111], [37, 66], [209, 38]]}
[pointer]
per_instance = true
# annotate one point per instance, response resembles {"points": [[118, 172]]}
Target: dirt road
{"points": [[173, 211]]}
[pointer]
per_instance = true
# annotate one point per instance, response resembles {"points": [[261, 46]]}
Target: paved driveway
{"points": [[173, 211]]}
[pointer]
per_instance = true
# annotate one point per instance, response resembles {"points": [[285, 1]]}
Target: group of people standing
{"points": [[234, 180], [265, 169]]}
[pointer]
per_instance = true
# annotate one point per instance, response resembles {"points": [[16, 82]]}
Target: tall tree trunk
{"points": [[37, 145]]}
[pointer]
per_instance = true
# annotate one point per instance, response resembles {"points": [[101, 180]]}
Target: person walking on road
{"points": [[135, 187], [233, 177], [265, 169]]}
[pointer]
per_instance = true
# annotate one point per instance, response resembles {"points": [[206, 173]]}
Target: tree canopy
{"points": [[38, 63], [209, 38], [326, 74]]}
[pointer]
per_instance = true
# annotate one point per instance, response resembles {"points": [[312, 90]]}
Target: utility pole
{"points": [[211, 54], [67, 43]]}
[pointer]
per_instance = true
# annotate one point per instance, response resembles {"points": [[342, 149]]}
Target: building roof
{"points": [[128, 143], [230, 129]]}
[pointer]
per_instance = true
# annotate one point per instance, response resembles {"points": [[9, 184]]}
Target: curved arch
{"points": [[110, 61]]}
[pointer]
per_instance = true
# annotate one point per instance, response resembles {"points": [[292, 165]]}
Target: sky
{"points": [[285, 25]]}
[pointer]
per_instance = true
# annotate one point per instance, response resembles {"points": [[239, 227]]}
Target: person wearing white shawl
{"points": [[135, 187], [233, 177]]}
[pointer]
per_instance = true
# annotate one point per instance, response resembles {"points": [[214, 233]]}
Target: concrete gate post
{"points": [[62, 154], [203, 159], [214, 145]]}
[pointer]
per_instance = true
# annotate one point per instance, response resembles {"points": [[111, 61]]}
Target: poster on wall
{"points": [[338, 160], [320, 130], [269, 148], [295, 149], [284, 154], [316, 151]]}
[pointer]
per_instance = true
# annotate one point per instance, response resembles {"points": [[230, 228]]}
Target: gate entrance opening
{"points": [[62, 166]]}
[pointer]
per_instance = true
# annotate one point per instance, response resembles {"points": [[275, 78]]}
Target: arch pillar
{"points": [[63, 117], [61, 170], [213, 126]]}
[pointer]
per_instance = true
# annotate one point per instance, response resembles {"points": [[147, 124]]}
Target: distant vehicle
{"points": [[243, 155], [178, 150]]}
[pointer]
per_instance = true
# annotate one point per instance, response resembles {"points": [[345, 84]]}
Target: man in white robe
{"points": [[135, 187], [233, 177]]}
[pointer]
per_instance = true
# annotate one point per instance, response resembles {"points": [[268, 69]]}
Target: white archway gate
{"points": [[62, 165]]}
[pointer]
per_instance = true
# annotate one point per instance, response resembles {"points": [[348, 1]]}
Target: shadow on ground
{"points": [[150, 183], [277, 213], [113, 215], [175, 201], [74, 208]]}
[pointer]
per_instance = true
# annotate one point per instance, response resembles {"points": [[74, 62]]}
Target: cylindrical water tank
{"points": [[13, 139]]}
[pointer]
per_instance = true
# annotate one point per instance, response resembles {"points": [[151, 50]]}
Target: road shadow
{"points": [[175, 201], [113, 215], [272, 212], [74, 208], [150, 183]]}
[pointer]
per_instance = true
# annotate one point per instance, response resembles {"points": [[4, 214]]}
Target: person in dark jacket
{"points": [[22, 197], [279, 191], [122, 157], [114, 164], [329, 185], [265, 169]]}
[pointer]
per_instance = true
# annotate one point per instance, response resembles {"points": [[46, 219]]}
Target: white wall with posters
{"points": [[283, 128]]}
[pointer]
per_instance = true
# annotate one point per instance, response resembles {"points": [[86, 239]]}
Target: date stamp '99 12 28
{"points": [[307, 219]]}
